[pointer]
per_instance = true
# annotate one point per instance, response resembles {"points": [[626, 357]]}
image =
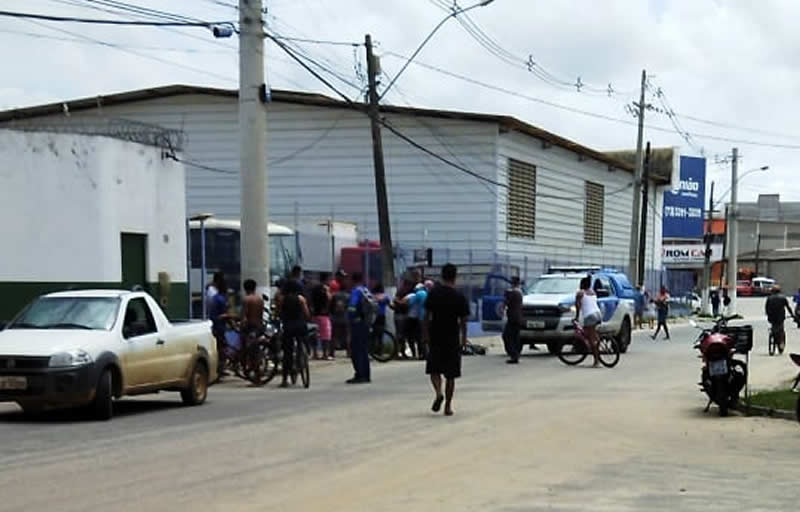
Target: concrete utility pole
{"points": [[707, 255], [384, 227], [253, 146], [637, 188], [643, 223], [733, 233]]}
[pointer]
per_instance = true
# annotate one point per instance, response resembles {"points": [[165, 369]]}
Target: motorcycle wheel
{"points": [[722, 400]]}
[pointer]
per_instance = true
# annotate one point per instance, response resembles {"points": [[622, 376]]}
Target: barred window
{"points": [[521, 211], [593, 213]]}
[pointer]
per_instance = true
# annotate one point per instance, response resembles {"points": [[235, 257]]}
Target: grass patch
{"points": [[784, 399]]}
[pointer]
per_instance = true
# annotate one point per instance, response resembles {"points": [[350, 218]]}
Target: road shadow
{"points": [[699, 413], [122, 408]]}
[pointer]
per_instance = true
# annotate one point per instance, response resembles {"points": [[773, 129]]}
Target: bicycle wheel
{"points": [[609, 351], [573, 352], [771, 344], [302, 366], [261, 365], [383, 346]]}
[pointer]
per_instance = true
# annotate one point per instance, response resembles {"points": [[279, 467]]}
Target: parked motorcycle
{"points": [[723, 376], [796, 360]]}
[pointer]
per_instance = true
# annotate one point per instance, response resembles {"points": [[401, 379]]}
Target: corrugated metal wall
{"points": [[320, 165]]}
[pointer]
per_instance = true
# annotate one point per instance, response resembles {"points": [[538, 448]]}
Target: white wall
{"points": [[66, 198]]}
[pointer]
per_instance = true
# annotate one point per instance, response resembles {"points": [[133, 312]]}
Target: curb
{"points": [[756, 410]]}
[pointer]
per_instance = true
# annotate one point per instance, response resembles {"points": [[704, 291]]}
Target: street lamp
{"points": [[455, 12], [733, 227], [746, 173], [202, 218]]}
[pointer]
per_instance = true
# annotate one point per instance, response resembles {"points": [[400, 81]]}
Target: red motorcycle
{"points": [[723, 376]]}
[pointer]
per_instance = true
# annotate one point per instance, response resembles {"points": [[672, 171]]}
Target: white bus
{"points": [[223, 254]]}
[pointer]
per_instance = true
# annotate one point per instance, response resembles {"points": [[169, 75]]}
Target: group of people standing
{"points": [[431, 321]]}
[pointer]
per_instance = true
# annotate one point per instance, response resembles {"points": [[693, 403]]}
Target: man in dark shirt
{"points": [[446, 316], [513, 303], [294, 314], [775, 307]]}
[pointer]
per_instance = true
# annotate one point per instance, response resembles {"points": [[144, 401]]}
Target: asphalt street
{"points": [[537, 436]]}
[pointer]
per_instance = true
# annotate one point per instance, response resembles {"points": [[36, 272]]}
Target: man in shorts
{"points": [[775, 308], [446, 316]]}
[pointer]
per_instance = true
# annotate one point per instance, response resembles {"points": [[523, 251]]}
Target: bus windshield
{"points": [[223, 252]]}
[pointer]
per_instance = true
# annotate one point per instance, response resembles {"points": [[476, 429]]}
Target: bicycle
{"points": [[300, 363], [579, 349], [249, 361], [772, 344], [382, 344]]}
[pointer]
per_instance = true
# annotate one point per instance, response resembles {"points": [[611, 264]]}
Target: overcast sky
{"points": [[731, 63]]}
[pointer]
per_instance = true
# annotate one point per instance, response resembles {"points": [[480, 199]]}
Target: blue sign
{"points": [[683, 207]]}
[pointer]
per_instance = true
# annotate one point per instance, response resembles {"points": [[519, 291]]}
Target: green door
{"points": [[134, 260]]}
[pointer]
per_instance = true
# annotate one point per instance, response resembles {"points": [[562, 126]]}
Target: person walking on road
{"points": [[446, 316], [715, 300], [638, 305], [513, 304], [359, 330], [662, 308]]}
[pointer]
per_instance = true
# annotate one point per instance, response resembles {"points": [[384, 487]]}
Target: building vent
{"points": [[521, 213], [593, 214]]}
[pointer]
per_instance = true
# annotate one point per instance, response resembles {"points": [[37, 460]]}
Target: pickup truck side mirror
{"points": [[602, 293], [127, 332]]}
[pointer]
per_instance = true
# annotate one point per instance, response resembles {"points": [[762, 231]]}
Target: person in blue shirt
{"points": [[359, 330], [217, 305], [416, 315], [796, 298]]}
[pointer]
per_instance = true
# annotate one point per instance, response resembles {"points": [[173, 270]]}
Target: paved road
{"points": [[538, 436]]}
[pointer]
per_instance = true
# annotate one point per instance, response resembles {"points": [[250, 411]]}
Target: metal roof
{"points": [[272, 228], [506, 123]]}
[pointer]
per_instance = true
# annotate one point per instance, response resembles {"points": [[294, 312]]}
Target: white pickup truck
{"points": [[88, 347]]}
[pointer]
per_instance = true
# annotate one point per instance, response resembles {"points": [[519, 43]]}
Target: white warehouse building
{"points": [[539, 198]]}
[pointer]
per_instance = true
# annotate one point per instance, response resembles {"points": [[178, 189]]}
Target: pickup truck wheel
{"points": [[624, 336], [553, 347], [103, 406], [197, 391]]}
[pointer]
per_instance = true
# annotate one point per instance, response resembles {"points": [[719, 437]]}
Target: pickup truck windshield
{"points": [[96, 313], [556, 285]]}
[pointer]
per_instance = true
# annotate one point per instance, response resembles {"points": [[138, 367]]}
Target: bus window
{"points": [[283, 255]]}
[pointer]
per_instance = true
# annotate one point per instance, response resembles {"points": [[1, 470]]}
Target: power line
{"points": [[127, 46], [223, 4], [529, 64], [134, 52], [319, 41], [593, 114], [409, 140], [47, 17]]}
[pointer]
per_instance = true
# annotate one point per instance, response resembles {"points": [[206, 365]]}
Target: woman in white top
{"points": [[588, 311]]}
